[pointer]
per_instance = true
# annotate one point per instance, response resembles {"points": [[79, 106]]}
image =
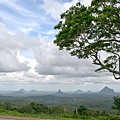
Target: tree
{"points": [[116, 103], [34, 108], [41, 108], [57, 109], [7, 106], [90, 32], [82, 110], [26, 109]]}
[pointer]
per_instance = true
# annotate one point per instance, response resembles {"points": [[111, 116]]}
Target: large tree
{"points": [[91, 32]]}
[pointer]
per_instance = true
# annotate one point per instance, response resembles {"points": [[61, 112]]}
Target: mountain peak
{"points": [[59, 90], [107, 90], [78, 91], [89, 91], [21, 90], [60, 93]]}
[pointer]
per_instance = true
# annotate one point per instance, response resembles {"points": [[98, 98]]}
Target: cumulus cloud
{"points": [[10, 63], [65, 68], [10, 45], [56, 8], [47, 65]]}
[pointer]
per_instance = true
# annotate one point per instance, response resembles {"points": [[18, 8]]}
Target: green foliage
{"points": [[92, 101], [116, 103], [57, 110], [26, 109], [82, 110], [88, 32], [111, 118], [7, 106], [34, 108], [38, 110]]}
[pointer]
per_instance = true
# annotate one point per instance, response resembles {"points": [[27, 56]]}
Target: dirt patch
{"points": [[20, 118]]}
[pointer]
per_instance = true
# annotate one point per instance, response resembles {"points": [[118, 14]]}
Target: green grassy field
{"points": [[57, 116]]}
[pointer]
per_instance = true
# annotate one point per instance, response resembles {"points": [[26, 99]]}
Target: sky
{"points": [[30, 60]]}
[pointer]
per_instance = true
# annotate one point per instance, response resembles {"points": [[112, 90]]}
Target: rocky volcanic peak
{"points": [[60, 93]]}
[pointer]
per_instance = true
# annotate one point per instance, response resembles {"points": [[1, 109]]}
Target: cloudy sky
{"points": [[28, 57]]}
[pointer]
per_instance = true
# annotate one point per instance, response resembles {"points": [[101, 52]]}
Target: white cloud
{"points": [[10, 45], [86, 2], [55, 8], [65, 68], [10, 63]]}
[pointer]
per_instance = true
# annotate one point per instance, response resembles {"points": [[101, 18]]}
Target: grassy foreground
{"points": [[58, 117]]}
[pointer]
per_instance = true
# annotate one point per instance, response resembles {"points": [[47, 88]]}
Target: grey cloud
{"points": [[51, 61], [85, 80]]}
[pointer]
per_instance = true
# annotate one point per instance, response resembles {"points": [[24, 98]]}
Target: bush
{"points": [[57, 110], [34, 108], [111, 118], [82, 110]]}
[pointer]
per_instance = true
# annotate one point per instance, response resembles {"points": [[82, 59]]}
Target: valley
{"points": [[101, 100]]}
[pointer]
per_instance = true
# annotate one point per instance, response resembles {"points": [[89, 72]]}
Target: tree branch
{"points": [[98, 62]]}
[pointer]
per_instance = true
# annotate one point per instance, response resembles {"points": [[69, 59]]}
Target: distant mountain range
{"points": [[105, 90], [22, 92]]}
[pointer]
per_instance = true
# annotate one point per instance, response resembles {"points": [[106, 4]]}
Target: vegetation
{"points": [[39, 110], [70, 103], [90, 32], [116, 103], [82, 107]]}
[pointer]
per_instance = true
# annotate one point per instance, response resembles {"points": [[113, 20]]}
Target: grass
{"points": [[57, 117]]}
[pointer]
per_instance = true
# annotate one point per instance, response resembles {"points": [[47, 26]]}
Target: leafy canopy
{"points": [[90, 32], [116, 103]]}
